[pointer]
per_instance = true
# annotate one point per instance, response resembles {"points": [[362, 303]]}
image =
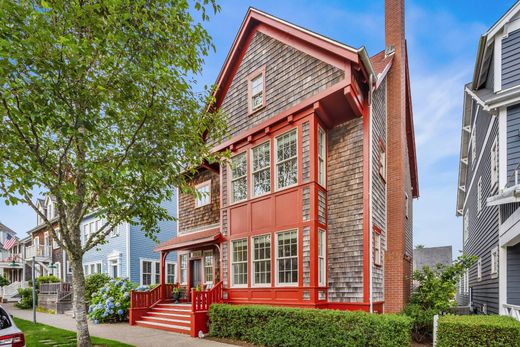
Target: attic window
{"points": [[256, 90]]}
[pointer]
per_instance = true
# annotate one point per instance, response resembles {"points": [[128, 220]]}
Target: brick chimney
{"points": [[398, 265]]}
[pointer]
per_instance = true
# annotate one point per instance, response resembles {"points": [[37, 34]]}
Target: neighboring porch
{"points": [[199, 285]]}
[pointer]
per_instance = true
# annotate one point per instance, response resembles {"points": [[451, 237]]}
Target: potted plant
{"points": [[176, 293]]}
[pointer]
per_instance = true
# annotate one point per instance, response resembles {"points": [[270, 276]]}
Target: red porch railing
{"points": [[201, 300], [140, 302]]}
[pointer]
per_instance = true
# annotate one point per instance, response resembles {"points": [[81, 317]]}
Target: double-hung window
{"points": [[239, 262], [170, 272], [239, 178], [208, 267], [287, 258], [321, 257], [262, 260], [261, 169], [203, 194], [146, 272], [286, 160], [257, 91], [322, 164], [184, 268]]}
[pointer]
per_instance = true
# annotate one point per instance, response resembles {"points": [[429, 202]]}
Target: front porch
{"points": [[199, 285]]}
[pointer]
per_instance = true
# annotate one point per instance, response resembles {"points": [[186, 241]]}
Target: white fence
{"points": [[511, 311], [9, 291], [38, 251]]}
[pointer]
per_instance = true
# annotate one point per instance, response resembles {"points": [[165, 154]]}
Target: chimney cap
{"points": [[389, 50]]}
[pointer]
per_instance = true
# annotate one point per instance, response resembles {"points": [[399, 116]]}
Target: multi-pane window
{"points": [[239, 177], [378, 254], [382, 161], [261, 169], [321, 257], [494, 261], [239, 262], [479, 194], [287, 259], [203, 194], [262, 260], [466, 227], [146, 273], [257, 92], [286, 160], [184, 268], [157, 272], [322, 143], [494, 163], [208, 267], [170, 272]]}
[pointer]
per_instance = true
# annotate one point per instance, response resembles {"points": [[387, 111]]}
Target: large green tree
{"points": [[99, 110]]}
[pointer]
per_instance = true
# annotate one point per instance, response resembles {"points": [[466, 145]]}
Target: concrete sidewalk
{"points": [[123, 332]]}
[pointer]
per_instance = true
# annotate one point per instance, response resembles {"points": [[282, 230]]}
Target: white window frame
{"points": [[58, 270], [168, 274], [87, 267], [208, 253], [233, 262], [277, 163], [260, 73], [479, 269], [253, 172], [378, 250], [205, 200], [111, 263], [233, 179], [152, 274], [495, 261], [322, 157], [465, 232], [322, 257], [277, 258], [183, 279], [254, 260], [479, 196], [406, 205]]}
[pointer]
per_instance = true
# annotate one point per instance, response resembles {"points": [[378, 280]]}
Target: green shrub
{"points": [[45, 279], [93, 283], [26, 296], [111, 302], [3, 281], [477, 330], [282, 326]]}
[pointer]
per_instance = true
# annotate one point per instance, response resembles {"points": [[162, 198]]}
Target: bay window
{"points": [[239, 262], [239, 178], [286, 160], [322, 170], [262, 260], [261, 169], [287, 258]]}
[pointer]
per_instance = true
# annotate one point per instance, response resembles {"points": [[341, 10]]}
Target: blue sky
{"points": [[442, 39]]}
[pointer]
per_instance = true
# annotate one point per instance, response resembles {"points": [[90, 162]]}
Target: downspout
{"points": [[370, 166]]}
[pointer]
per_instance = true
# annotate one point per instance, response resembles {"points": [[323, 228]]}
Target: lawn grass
{"points": [[45, 335]]}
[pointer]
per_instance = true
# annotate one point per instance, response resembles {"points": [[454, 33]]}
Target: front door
{"points": [[196, 273]]}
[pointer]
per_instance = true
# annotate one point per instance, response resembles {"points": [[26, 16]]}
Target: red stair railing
{"points": [[142, 301], [201, 300]]}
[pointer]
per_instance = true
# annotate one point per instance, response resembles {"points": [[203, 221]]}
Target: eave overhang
{"points": [[506, 196], [191, 240]]}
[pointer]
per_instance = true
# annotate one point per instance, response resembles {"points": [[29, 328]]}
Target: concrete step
{"points": [[181, 322], [162, 326]]}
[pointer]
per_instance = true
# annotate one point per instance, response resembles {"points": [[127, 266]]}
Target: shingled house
{"points": [[315, 207]]}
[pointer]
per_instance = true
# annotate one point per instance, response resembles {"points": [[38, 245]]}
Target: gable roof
{"points": [[316, 45]]}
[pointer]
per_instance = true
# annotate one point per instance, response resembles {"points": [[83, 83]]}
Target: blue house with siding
{"points": [[128, 253]]}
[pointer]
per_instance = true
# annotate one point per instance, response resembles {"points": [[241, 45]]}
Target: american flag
{"points": [[9, 243]]}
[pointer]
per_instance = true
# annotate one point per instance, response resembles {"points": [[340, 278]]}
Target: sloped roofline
{"points": [[255, 19]]}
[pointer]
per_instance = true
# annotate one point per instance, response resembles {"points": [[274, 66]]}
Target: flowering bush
{"points": [[111, 302]]}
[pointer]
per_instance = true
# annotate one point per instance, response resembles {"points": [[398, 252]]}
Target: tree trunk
{"points": [[78, 303]]}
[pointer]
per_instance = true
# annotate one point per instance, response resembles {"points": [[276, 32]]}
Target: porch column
{"points": [[162, 275]]}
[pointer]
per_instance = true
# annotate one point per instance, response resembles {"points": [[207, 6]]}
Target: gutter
{"points": [[370, 168], [365, 59]]}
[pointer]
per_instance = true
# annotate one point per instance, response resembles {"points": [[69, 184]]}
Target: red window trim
{"points": [[250, 77]]}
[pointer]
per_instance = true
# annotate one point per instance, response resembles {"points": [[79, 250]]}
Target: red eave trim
{"points": [[282, 115], [190, 240]]}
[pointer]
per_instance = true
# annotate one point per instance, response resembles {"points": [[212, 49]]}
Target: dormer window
{"points": [[203, 194], [256, 90]]}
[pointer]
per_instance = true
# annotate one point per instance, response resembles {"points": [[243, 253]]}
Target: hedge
{"points": [[477, 330], [282, 326]]}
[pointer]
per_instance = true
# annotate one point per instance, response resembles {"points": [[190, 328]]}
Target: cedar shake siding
{"points": [[290, 77], [194, 219], [345, 212], [378, 184]]}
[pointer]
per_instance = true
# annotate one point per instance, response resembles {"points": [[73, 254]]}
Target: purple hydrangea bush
{"points": [[111, 303]]}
